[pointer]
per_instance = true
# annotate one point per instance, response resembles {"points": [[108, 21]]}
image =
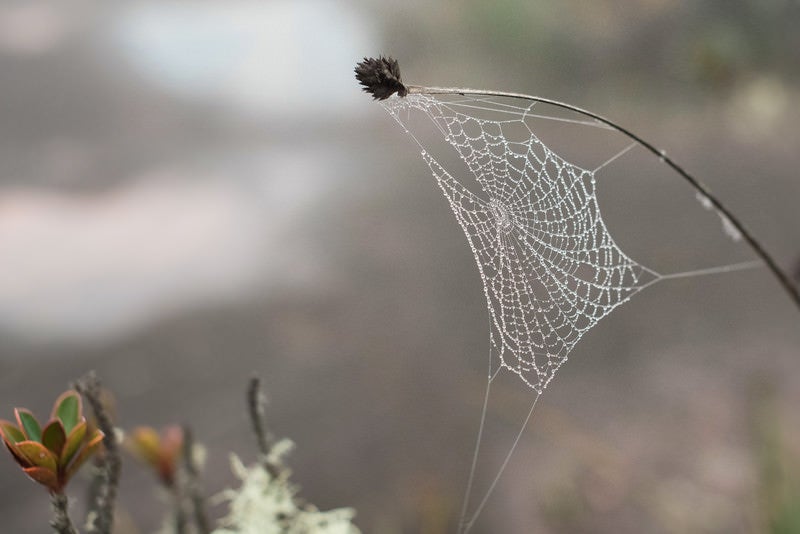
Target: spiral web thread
{"points": [[550, 268]]}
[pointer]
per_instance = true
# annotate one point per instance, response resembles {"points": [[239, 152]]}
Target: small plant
{"points": [[265, 502], [161, 452], [51, 455]]}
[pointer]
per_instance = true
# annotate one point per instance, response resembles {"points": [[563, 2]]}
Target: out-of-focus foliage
{"points": [[161, 452], [779, 466], [716, 43]]}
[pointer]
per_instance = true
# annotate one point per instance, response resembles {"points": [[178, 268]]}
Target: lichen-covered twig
{"points": [[267, 500], [61, 522], [96, 482], [101, 515], [193, 484]]}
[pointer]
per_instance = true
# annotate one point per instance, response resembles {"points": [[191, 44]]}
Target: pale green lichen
{"points": [[264, 504]]}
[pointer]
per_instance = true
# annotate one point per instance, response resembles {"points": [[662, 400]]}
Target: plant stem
{"points": [[102, 510], [61, 522], [784, 279], [193, 484], [179, 514]]}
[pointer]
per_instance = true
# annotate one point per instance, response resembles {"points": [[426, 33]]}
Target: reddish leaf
{"points": [[28, 424], [45, 477], [172, 441], [54, 437], [36, 454], [17, 458], [96, 438]]}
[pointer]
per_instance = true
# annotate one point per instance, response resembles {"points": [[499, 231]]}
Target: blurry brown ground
{"points": [[178, 223]]}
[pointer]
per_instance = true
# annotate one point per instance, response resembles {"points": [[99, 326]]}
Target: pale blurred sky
{"points": [[81, 267], [273, 58]]}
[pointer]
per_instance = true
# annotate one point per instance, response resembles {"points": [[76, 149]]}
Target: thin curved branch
{"points": [[784, 279]]}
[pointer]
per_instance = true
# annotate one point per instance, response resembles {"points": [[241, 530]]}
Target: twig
{"points": [[101, 517], [178, 509], [61, 522], [179, 519], [193, 484], [387, 81], [255, 405]]}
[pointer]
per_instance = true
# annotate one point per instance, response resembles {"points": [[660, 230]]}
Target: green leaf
{"points": [[44, 476], [36, 454], [10, 432], [54, 437], [67, 408], [73, 443], [29, 425]]}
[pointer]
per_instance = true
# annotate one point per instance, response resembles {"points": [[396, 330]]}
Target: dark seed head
{"points": [[380, 77]]}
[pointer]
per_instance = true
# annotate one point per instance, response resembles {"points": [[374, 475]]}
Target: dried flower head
{"points": [[51, 455], [380, 77]]}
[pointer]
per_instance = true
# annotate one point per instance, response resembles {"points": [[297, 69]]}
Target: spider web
{"points": [[549, 266]]}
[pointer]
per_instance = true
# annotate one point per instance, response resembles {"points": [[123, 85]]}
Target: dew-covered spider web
{"points": [[550, 268]]}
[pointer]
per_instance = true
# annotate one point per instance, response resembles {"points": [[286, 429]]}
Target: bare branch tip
{"points": [[192, 482], [255, 408], [380, 77]]}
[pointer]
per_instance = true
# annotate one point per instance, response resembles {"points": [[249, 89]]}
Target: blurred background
{"points": [[193, 191]]}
